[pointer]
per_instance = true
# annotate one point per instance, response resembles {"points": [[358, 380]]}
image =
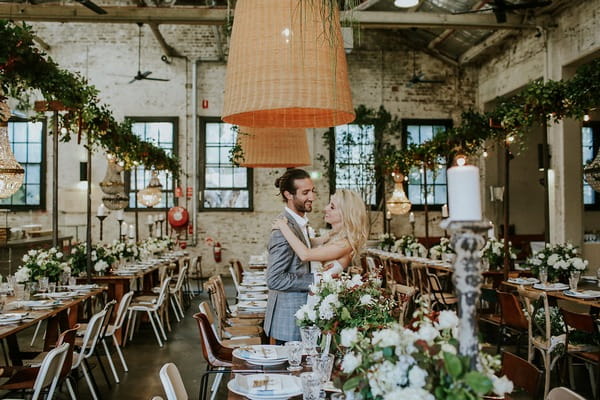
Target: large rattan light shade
{"points": [[274, 147], [287, 67]]}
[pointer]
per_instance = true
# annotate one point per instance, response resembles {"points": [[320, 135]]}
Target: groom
{"points": [[288, 277]]}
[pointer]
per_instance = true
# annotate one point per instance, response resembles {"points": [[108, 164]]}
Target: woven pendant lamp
{"points": [[287, 67], [274, 147]]}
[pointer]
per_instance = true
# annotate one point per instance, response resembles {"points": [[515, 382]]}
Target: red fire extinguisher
{"points": [[217, 252]]}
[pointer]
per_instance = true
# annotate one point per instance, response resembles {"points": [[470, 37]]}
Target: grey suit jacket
{"points": [[288, 279]]}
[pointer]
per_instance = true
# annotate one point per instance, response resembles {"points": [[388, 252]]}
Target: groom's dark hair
{"points": [[286, 181]]}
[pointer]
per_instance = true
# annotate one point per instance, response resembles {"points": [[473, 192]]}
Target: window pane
{"points": [[20, 151], [34, 153], [32, 173], [588, 194], [33, 194], [35, 132], [220, 176]]}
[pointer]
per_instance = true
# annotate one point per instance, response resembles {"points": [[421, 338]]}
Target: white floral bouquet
{"points": [[124, 250], [409, 246], [101, 257], [437, 252], [42, 263], [558, 259], [347, 301], [386, 241], [156, 245], [415, 362], [493, 253]]}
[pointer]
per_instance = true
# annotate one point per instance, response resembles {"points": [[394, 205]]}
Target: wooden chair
{"points": [[217, 356], [195, 272], [489, 309], [221, 305], [234, 341], [522, 373], [588, 354], [438, 296], [512, 319], [540, 339], [563, 393], [404, 296]]}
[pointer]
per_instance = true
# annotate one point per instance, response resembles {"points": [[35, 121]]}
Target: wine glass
{"points": [[310, 336]]}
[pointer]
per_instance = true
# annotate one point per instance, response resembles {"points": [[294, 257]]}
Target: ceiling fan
{"points": [[143, 75], [419, 77], [500, 7]]}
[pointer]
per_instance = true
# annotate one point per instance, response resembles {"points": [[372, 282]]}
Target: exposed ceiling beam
{"points": [[167, 49], [365, 4], [448, 32], [214, 16], [41, 42], [491, 41]]}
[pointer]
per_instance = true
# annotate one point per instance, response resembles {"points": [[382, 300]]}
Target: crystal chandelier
{"points": [[11, 172], [591, 172], [117, 201], [112, 183], [152, 194], [398, 204]]}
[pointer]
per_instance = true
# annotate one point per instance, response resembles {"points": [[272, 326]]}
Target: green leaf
{"points": [[480, 383], [346, 314], [351, 384], [453, 365]]}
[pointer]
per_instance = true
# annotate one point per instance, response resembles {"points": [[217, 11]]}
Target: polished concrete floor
{"points": [[145, 358]]}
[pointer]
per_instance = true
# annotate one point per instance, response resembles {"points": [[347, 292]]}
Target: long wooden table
{"points": [[58, 317], [558, 294]]}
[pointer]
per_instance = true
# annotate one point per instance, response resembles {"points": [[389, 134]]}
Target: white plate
{"points": [[253, 288], [584, 294], [11, 318], [253, 296], [524, 281], [292, 385], [552, 287], [251, 282], [253, 304], [590, 278], [253, 354], [58, 295]]}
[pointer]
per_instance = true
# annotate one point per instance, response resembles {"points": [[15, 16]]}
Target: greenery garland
{"points": [[23, 68], [539, 103]]}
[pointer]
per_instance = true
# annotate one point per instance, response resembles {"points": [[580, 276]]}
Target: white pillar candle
{"points": [[123, 228], [464, 197], [120, 215], [131, 231], [491, 231], [101, 212], [411, 217], [388, 215], [445, 211], [161, 217], [150, 220]]}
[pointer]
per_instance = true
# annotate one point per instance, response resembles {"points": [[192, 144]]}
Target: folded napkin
{"points": [[260, 384], [268, 353]]}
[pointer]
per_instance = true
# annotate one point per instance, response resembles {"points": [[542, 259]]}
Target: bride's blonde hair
{"points": [[354, 218]]}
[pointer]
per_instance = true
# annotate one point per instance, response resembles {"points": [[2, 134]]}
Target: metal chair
{"points": [[172, 382]]}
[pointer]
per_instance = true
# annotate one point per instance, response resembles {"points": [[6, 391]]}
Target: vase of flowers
{"points": [[386, 241], [492, 253], [42, 263], [101, 257], [439, 251], [419, 361], [345, 302], [409, 246], [558, 260]]}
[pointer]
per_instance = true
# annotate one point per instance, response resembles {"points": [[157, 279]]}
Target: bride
{"points": [[347, 215]]}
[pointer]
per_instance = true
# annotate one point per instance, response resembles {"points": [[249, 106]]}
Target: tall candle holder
{"points": [[150, 226], [121, 233], [467, 239], [101, 218]]}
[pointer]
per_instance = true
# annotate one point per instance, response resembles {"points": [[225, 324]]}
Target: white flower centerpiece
{"points": [[346, 302], [559, 260], [42, 263], [386, 241], [492, 254], [409, 246], [420, 361], [442, 251]]}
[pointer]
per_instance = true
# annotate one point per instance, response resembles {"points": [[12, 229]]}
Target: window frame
{"points": [[127, 175], [43, 162], [202, 121], [448, 123], [595, 126], [331, 170]]}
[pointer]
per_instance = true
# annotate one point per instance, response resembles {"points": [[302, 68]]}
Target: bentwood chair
{"points": [[563, 393], [541, 339], [587, 353], [512, 319], [172, 382], [241, 338]]}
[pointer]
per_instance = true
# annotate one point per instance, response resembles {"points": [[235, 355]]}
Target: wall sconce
{"points": [[83, 171], [496, 193]]}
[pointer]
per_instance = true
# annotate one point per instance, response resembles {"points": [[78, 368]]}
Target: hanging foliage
{"points": [[23, 68]]}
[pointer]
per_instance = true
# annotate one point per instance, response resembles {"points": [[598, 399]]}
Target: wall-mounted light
{"points": [[586, 116]]}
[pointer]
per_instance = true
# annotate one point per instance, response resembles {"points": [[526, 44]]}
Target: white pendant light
{"points": [[152, 194], [405, 3], [398, 204]]}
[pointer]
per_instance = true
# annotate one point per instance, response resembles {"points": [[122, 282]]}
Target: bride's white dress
{"points": [[336, 269]]}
